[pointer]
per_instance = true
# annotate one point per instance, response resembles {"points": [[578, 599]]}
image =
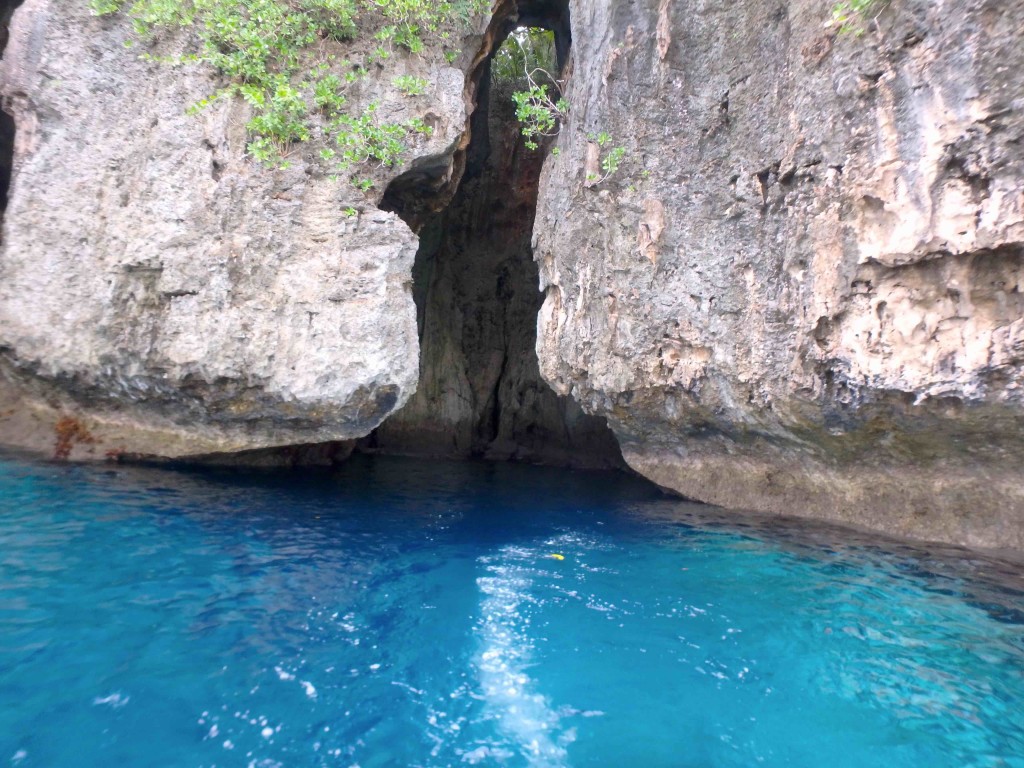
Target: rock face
{"points": [[803, 290], [168, 295]]}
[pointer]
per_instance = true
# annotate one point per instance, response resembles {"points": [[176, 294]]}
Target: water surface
{"points": [[401, 613]]}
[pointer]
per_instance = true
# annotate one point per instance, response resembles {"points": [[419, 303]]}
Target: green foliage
{"points": [[523, 65], [336, 18], [362, 140], [272, 55], [610, 162], [410, 86], [852, 16], [408, 20], [538, 114], [526, 50], [610, 159], [279, 121], [104, 7], [416, 125], [327, 94]]}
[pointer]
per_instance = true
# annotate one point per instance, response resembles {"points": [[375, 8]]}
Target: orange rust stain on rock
{"points": [[70, 431]]}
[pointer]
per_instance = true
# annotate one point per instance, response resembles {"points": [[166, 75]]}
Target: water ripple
{"points": [[401, 613]]}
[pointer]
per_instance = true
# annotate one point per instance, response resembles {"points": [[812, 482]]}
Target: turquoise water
{"points": [[397, 613]]}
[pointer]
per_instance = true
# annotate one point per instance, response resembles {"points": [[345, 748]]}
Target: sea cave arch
{"points": [[476, 287]]}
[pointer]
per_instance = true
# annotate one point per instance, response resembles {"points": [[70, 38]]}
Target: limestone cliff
{"points": [[168, 292], [802, 291]]}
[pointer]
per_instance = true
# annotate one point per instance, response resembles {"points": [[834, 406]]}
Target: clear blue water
{"points": [[397, 613]]}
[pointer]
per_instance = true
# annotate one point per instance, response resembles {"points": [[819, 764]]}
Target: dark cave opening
{"points": [[476, 290], [6, 159], [7, 126]]}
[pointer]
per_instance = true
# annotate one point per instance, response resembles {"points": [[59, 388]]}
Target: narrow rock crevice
{"points": [[7, 126], [476, 290]]}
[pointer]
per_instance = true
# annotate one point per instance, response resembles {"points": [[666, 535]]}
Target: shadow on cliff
{"points": [[7, 8]]}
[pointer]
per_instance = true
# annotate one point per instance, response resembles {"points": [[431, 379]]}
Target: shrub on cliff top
{"points": [[275, 54]]}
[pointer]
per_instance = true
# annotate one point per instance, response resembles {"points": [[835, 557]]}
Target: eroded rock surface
{"points": [[169, 294], [801, 293]]}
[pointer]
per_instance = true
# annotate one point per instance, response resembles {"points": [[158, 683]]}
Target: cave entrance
{"points": [[476, 284], [7, 127]]}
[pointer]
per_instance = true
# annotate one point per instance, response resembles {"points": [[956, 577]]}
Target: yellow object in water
{"points": [[557, 556]]}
